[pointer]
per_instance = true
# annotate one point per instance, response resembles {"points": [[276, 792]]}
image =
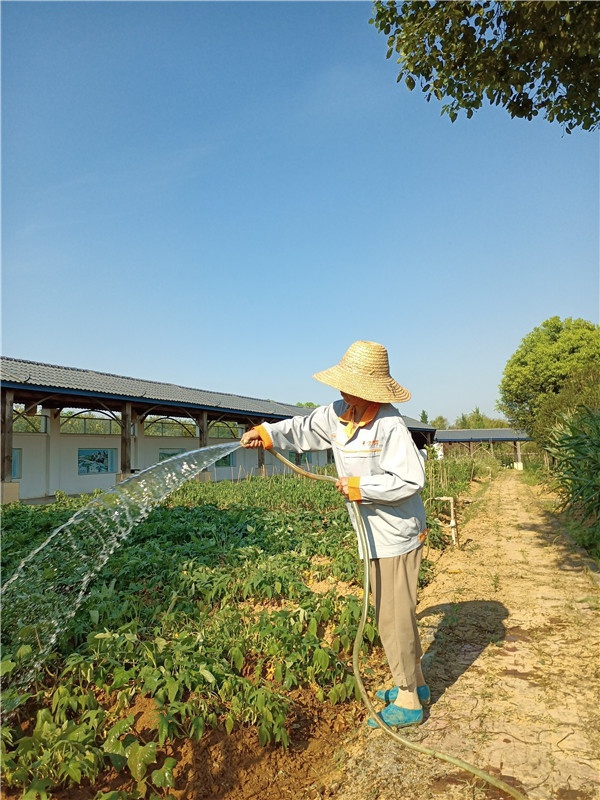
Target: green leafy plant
{"points": [[209, 609], [575, 448]]}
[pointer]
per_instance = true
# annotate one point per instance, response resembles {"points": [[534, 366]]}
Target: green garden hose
{"points": [[457, 762]]}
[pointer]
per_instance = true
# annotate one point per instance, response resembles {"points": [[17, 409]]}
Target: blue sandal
{"points": [[389, 695], [397, 717]]}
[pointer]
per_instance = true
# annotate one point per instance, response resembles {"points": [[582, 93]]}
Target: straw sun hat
{"points": [[364, 372]]}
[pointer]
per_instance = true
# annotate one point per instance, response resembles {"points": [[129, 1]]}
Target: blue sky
{"points": [[225, 195]]}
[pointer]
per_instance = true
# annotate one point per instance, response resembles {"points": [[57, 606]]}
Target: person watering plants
{"points": [[382, 475]]}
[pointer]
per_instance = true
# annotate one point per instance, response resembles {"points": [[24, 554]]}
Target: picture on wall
{"points": [[96, 461]]}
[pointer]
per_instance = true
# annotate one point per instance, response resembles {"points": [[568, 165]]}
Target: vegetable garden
{"points": [[217, 607]]}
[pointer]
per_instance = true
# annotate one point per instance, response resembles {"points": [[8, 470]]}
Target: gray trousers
{"points": [[394, 587]]}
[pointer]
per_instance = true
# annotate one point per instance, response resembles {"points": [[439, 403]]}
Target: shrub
{"points": [[575, 448]]}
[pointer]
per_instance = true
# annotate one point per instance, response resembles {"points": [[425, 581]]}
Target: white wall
{"points": [[33, 463], [49, 461]]}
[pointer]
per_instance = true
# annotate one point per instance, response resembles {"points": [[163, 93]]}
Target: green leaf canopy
{"points": [[546, 361], [528, 57]]}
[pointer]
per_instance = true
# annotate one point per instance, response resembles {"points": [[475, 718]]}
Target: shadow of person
{"points": [[453, 637]]}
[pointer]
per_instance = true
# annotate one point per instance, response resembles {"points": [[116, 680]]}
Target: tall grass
{"points": [[575, 447]]}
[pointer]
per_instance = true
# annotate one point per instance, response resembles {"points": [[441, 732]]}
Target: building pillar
{"points": [[202, 431], [202, 425], [54, 451], [260, 453], [126, 417], [518, 464], [9, 490], [138, 439], [7, 435]]}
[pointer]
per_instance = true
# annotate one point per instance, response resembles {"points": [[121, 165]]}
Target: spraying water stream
{"points": [[50, 583]]}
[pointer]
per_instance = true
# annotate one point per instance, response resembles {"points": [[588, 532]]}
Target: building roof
{"points": [[71, 387], [482, 435], [78, 384]]}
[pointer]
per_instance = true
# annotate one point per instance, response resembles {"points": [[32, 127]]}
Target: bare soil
{"points": [[510, 625]]}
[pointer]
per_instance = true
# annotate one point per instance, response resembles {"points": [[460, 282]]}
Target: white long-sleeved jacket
{"points": [[383, 456]]}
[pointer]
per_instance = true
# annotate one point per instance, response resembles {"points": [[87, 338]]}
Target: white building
{"points": [[74, 430]]}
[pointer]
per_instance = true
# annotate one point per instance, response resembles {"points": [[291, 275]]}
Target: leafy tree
{"points": [[307, 405], [440, 423], [476, 420], [528, 57], [424, 417], [544, 364], [582, 388]]}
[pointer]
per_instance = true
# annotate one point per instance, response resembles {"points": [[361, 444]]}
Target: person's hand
{"points": [[251, 439], [342, 486]]}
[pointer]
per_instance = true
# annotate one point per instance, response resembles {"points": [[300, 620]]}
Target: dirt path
{"points": [[511, 624]]}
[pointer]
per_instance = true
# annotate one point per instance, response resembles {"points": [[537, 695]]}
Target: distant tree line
{"points": [[474, 419]]}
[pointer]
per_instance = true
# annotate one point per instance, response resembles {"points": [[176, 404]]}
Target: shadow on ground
{"points": [[571, 556], [459, 633]]}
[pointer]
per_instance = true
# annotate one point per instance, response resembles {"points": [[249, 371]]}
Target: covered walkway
{"points": [[472, 437]]}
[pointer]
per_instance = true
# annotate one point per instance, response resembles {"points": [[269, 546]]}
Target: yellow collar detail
{"points": [[352, 424]]}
